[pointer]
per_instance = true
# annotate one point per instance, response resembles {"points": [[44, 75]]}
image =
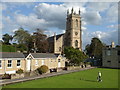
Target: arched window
{"points": [[76, 43], [76, 23], [60, 49]]}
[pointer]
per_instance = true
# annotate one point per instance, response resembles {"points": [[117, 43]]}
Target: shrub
{"points": [[42, 69], [6, 76], [19, 71]]}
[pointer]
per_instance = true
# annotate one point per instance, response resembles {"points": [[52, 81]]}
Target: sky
{"points": [[99, 19]]}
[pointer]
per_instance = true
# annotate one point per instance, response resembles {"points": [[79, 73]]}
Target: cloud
{"points": [[116, 26], [51, 14], [3, 6], [98, 6], [10, 25], [92, 18], [112, 13], [105, 37], [31, 21]]}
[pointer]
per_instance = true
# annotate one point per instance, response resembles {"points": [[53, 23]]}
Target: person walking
{"points": [[99, 77]]}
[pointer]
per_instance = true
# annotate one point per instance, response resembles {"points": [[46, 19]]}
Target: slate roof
{"points": [[51, 39], [24, 55], [11, 55], [44, 55]]}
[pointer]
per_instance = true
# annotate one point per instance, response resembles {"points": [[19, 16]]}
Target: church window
{"points": [[76, 43], [76, 33], [76, 23], [69, 34], [60, 49]]}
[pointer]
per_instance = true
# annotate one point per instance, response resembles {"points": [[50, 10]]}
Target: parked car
{"points": [[53, 70]]}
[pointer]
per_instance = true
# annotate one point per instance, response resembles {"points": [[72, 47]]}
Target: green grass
{"points": [[109, 77]]}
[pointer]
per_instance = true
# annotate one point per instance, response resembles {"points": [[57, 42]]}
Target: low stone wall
{"points": [[15, 76], [77, 67]]}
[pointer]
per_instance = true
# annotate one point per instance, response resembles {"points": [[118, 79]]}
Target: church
{"points": [[72, 36]]}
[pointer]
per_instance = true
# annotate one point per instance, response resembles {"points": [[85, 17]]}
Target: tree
{"points": [[95, 48], [74, 56], [21, 36], [24, 40], [7, 38], [40, 41]]}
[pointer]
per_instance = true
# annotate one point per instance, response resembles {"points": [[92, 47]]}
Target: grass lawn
{"points": [[82, 79]]}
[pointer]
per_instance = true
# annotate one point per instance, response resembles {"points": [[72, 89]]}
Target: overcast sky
{"points": [[99, 19]]}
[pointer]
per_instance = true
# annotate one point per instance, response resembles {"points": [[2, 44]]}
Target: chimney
{"points": [[54, 42], [112, 44]]}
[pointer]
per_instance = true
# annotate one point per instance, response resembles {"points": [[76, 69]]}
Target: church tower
{"points": [[73, 30]]}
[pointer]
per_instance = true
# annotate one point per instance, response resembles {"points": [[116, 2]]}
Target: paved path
{"points": [[5, 82]]}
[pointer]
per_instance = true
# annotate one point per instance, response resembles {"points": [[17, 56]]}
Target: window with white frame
{"points": [[0, 63], [18, 63], [36, 62], [9, 63]]}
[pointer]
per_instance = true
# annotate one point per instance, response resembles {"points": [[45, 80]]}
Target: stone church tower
{"points": [[72, 36], [73, 30]]}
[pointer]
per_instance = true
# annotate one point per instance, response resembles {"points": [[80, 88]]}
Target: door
{"points": [[59, 64], [28, 64]]}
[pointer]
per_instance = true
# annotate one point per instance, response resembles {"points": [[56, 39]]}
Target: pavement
{"points": [[11, 81]]}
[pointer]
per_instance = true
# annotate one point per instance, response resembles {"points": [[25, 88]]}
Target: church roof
{"points": [[51, 39]]}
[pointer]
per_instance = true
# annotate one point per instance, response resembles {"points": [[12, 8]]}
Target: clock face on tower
{"points": [[76, 33]]}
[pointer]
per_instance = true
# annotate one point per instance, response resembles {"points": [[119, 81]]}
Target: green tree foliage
{"points": [[21, 47], [24, 39], [21, 36], [40, 40], [74, 56], [95, 48], [7, 38]]}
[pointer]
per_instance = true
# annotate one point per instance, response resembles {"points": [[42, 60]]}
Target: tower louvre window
{"points": [[76, 43], [76, 23]]}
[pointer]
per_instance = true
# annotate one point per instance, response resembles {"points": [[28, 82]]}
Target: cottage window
{"points": [[9, 63], [109, 61], [118, 61], [118, 52], [18, 62], [108, 53], [0, 63]]}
